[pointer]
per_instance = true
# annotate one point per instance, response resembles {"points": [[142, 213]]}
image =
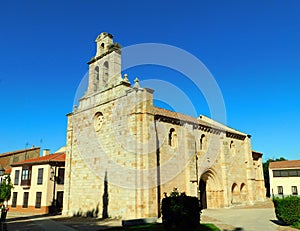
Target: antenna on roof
{"points": [[26, 150]]}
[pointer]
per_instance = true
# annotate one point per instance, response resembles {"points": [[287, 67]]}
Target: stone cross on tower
{"points": [[105, 67]]}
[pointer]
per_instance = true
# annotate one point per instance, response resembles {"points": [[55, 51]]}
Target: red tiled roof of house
{"points": [[5, 162], [7, 171], [56, 157], [285, 164]]}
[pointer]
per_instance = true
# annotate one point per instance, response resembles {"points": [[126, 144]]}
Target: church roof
{"points": [[202, 122], [176, 115], [285, 164], [256, 155], [52, 158]]}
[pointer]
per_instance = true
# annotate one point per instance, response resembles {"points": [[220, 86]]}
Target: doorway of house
{"points": [[59, 200]]}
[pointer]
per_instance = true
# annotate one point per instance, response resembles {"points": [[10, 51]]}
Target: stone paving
{"points": [[260, 216], [257, 217]]}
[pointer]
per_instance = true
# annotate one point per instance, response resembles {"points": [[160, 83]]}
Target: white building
{"points": [[284, 178], [38, 184]]}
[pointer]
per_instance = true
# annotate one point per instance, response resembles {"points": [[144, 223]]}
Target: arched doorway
{"points": [[203, 199], [235, 194], [210, 190], [243, 191]]}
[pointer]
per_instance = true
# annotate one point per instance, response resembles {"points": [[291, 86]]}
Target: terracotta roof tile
{"points": [[285, 164], [57, 157]]}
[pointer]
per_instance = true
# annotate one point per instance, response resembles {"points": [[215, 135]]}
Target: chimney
{"points": [[46, 152]]}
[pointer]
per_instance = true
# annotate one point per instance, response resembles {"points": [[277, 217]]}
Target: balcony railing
{"points": [[25, 182]]}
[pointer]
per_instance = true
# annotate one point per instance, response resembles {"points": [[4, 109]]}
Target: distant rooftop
{"points": [[18, 151], [285, 164]]}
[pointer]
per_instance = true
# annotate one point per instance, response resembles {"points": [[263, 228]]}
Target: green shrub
{"points": [[180, 212], [297, 225], [287, 209]]}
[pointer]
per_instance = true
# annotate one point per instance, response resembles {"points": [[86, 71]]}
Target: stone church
{"points": [[123, 153]]}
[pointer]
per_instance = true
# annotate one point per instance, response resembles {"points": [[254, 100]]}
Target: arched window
{"points": [[173, 138], [102, 45], [202, 142], [243, 188], [234, 188], [232, 148], [98, 121], [96, 78], [105, 72]]}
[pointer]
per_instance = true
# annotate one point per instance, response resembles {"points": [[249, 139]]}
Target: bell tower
{"points": [[105, 66]]}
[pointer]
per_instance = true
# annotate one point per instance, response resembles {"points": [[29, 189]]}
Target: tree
{"points": [[266, 173], [180, 212], [5, 188]]}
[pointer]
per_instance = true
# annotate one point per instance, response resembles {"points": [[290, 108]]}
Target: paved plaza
{"points": [[260, 216], [251, 218]]}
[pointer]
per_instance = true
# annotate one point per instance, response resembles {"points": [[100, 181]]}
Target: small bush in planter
{"points": [[180, 212], [287, 209]]}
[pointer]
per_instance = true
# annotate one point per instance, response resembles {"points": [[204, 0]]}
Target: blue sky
{"points": [[251, 47]]}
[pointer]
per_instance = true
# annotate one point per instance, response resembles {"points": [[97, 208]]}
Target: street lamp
{"points": [[53, 178], [52, 174]]}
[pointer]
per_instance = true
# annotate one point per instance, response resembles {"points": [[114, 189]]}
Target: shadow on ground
{"points": [[277, 222], [27, 217], [36, 223], [88, 224]]}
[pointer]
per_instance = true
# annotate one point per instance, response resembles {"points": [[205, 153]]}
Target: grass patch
{"points": [[296, 225], [160, 227], [207, 227]]}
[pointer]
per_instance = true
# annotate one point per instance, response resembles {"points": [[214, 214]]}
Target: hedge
{"points": [[287, 209], [180, 212]]}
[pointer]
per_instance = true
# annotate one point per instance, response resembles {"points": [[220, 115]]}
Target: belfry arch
{"points": [[210, 190]]}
